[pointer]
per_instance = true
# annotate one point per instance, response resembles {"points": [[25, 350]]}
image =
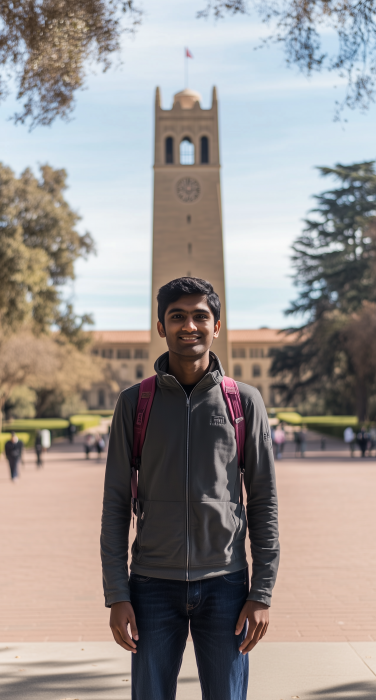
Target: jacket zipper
{"points": [[188, 406], [186, 490], [187, 472]]}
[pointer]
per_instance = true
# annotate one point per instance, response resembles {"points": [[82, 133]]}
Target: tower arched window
{"points": [[169, 149], [187, 152], [204, 149]]}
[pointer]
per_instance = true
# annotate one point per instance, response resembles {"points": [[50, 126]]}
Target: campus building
{"points": [[187, 241]]}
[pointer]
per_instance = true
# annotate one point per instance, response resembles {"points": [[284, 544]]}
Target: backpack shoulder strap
{"points": [[145, 399], [231, 395]]}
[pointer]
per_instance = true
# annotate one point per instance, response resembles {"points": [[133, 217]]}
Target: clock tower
{"points": [[187, 216]]}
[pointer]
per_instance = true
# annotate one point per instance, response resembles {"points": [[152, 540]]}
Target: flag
{"points": [[188, 53]]}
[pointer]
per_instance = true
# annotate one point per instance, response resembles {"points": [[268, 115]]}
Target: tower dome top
{"points": [[187, 98]]}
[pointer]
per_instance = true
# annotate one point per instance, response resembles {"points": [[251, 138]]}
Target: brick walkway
{"points": [[50, 580]]}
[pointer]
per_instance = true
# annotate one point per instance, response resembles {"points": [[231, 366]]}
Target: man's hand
{"points": [[258, 622], [122, 615]]}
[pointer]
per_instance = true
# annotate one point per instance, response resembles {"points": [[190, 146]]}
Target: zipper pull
{"points": [[143, 515]]}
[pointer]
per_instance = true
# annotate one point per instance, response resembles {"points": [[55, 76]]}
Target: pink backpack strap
{"points": [[144, 404], [231, 395]]}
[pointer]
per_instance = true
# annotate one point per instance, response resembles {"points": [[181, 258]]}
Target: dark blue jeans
{"points": [[164, 611]]}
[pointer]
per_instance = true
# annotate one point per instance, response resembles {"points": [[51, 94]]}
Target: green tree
{"points": [[39, 244], [301, 28], [46, 46], [335, 272]]}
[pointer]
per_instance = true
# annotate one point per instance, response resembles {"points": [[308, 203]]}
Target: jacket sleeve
{"points": [[262, 505], [116, 514]]}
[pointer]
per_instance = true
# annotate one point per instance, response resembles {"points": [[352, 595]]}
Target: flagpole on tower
{"points": [[187, 54]]}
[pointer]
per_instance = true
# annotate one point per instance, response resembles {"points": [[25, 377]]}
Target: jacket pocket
{"points": [[215, 526], [161, 534]]}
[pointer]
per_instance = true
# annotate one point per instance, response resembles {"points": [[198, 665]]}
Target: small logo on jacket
{"points": [[267, 438], [217, 420]]}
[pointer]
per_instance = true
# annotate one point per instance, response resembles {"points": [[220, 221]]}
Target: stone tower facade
{"points": [[187, 216]]}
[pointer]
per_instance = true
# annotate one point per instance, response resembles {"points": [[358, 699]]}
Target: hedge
{"points": [[104, 413], [32, 424], [4, 437], [329, 425], [84, 422]]}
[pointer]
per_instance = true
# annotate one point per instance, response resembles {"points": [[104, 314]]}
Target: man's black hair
{"points": [[185, 286]]}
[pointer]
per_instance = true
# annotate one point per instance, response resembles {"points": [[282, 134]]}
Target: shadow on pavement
{"points": [[53, 683], [362, 690]]}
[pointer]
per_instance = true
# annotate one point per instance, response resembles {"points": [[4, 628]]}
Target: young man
{"points": [[189, 566]]}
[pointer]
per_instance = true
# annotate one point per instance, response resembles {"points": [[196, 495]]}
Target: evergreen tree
{"points": [[335, 272]]}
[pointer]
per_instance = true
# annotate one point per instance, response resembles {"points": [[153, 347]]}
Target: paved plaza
{"points": [[54, 634]]}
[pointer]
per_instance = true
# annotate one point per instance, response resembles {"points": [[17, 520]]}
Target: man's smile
{"points": [[189, 338]]}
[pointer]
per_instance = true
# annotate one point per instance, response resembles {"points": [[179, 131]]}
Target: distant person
{"points": [[13, 453], [89, 443], [303, 441], [71, 432], [99, 444], [38, 448], [297, 442], [372, 440], [349, 438], [362, 440], [279, 439], [46, 439]]}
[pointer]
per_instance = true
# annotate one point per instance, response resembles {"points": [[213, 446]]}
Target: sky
{"points": [[275, 127]]}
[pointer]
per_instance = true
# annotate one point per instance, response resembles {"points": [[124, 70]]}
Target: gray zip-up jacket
{"points": [[190, 524]]}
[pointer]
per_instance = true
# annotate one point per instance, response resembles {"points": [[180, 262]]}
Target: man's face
{"points": [[189, 326]]}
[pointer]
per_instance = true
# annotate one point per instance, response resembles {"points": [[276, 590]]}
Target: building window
{"points": [[95, 351], [101, 398], [237, 371], [238, 352], [169, 149], [108, 353], [256, 371], [204, 149], [139, 372], [256, 352], [187, 152], [188, 218], [259, 388], [141, 354], [123, 354]]}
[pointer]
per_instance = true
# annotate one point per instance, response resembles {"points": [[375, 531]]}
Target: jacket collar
{"points": [[213, 376]]}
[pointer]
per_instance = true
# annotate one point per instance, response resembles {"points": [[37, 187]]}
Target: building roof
{"points": [[259, 335], [121, 336], [247, 335]]}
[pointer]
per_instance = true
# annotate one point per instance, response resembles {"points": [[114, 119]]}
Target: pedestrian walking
{"points": [[46, 439], [13, 453], [99, 444], [297, 442], [38, 448], [279, 439], [362, 440], [303, 441], [349, 438], [71, 432], [372, 439], [200, 435], [89, 443]]}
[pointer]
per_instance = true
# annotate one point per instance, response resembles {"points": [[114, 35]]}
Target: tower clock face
{"points": [[188, 189]]}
